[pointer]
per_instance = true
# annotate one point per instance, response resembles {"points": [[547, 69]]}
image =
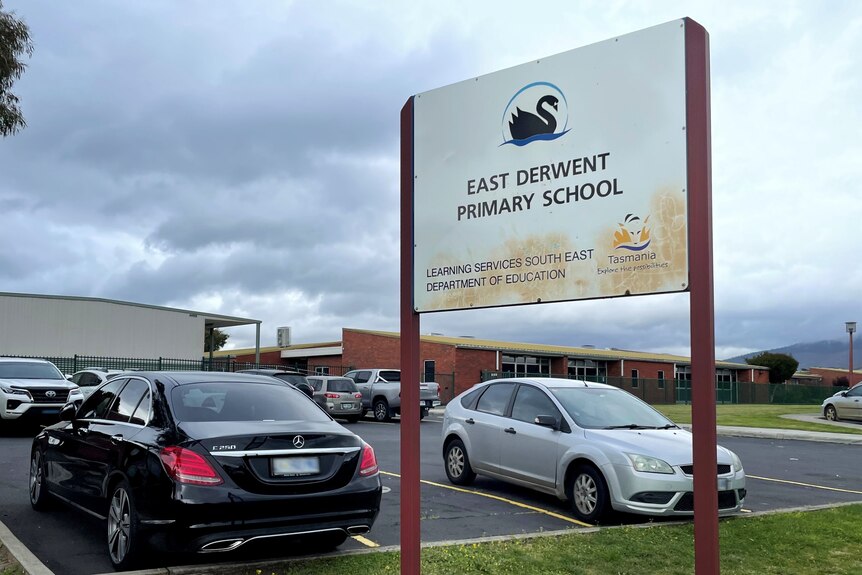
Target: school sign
{"points": [[560, 179]]}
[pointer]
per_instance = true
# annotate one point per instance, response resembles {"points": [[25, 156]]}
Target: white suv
{"points": [[33, 388]]}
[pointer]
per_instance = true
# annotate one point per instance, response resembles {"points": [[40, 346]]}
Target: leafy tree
{"points": [[14, 44], [781, 366], [219, 339]]}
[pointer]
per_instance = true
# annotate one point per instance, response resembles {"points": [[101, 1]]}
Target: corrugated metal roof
{"points": [[210, 319], [250, 350]]}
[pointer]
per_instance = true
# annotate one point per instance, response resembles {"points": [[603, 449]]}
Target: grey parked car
{"points": [[844, 404], [338, 396], [595, 445]]}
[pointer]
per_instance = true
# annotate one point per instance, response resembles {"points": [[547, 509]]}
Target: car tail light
{"points": [[331, 395], [186, 466], [368, 466], [357, 395]]}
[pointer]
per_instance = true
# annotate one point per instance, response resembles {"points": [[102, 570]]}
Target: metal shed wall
{"points": [[67, 326]]}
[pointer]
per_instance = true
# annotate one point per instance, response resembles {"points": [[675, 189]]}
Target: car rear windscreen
{"points": [[242, 402], [341, 386]]}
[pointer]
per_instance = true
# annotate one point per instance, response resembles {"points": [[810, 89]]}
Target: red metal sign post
{"points": [[701, 298], [410, 536]]}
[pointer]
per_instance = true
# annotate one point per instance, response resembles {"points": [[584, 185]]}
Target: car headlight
{"points": [[737, 462], [75, 389], [13, 391], [649, 464]]}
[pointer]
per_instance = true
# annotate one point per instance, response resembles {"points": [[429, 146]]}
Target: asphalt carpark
{"points": [[783, 473]]}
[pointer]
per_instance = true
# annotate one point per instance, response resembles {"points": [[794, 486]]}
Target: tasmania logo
{"points": [[633, 235]]}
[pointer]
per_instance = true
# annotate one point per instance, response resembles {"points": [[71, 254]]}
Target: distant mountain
{"points": [[832, 353]]}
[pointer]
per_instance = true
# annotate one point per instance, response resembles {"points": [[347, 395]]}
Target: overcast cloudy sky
{"points": [[241, 158]]}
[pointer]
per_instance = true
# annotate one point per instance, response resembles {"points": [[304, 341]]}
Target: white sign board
{"points": [[560, 179]]}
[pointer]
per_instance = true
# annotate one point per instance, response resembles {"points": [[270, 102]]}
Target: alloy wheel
{"points": [[455, 461], [36, 477], [585, 494], [119, 526]]}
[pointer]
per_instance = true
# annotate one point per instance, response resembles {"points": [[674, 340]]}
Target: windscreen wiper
{"points": [[669, 426], [631, 426]]}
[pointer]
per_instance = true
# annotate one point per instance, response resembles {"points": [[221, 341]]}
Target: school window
{"points": [[525, 365], [661, 379], [321, 370], [430, 371], [588, 369], [634, 378]]}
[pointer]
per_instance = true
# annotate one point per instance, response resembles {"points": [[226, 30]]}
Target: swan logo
{"points": [[633, 234], [538, 111]]}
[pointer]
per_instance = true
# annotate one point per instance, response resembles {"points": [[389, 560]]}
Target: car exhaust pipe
{"points": [[221, 546], [358, 529]]}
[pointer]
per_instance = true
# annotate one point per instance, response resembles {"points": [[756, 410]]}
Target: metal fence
{"points": [[658, 391], [70, 365]]}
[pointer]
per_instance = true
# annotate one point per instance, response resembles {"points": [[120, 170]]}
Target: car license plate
{"points": [[295, 466], [346, 406]]}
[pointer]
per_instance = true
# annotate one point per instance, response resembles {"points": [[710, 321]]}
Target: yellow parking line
{"points": [[366, 542], [804, 484], [497, 498]]}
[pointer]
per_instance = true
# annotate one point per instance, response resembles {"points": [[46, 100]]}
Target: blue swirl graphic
{"points": [[526, 141]]}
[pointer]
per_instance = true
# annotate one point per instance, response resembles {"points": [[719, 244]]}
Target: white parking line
{"points": [[799, 483]]}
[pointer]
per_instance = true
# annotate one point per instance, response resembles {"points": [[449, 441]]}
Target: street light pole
{"points": [[851, 327]]}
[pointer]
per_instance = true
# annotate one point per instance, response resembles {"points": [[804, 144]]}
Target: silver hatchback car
{"points": [[595, 445]]}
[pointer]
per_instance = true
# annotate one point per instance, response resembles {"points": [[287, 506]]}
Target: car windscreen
{"points": [[29, 370], [604, 408], [390, 375], [242, 402], [341, 386]]}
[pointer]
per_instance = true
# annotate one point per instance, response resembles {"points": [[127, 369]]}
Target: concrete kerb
{"points": [[32, 566], [272, 566], [19, 552]]}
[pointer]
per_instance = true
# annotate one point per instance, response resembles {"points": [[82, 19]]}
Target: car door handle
{"points": [[117, 438], [510, 430], [469, 420]]}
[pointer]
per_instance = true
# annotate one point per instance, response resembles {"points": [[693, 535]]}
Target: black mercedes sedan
{"points": [[205, 462]]}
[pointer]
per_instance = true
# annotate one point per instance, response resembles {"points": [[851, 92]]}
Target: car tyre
{"points": [[457, 464], [589, 494], [423, 413], [39, 496], [124, 545], [381, 410], [831, 413]]}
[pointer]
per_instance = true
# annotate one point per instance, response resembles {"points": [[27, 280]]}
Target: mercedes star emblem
{"points": [[298, 441]]}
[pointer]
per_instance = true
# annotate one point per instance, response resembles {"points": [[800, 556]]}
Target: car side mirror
{"points": [[68, 412], [843, 394], [547, 421]]}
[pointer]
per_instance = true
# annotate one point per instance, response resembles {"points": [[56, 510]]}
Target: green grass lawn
{"points": [[757, 415], [813, 542]]}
